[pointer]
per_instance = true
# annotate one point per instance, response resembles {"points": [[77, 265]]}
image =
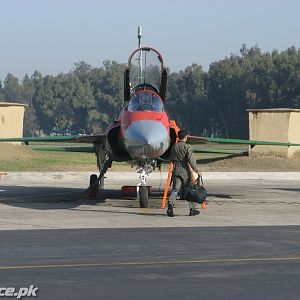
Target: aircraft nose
{"points": [[146, 139]]}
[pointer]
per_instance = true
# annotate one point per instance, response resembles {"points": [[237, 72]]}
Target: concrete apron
{"points": [[154, 176]]}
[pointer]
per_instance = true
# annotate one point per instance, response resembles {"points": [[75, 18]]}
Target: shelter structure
{"points": [[278, 125], [11, 119]]}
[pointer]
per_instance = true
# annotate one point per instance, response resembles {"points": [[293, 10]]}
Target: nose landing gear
{"points": [[142, 190]]}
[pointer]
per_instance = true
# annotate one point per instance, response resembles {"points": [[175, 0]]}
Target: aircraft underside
{"points": [[144, 166]]}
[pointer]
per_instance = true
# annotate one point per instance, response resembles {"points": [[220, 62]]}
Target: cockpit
{"points": [[145, 101]]}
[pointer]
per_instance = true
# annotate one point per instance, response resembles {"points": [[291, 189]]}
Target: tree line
{"points": [[213, 103]]}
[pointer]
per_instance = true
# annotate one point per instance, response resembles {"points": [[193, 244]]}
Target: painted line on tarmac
{"points": [[151, 263]]}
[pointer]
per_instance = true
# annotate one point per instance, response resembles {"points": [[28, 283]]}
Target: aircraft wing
{"points": [[206, 146], [97, 139], [194, 140], [252, 143], [214, 145]]}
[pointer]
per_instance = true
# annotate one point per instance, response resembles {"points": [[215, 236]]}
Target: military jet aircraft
{"points": [[143, 133]]}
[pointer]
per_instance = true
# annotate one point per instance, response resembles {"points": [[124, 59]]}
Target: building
{"points": [[275, 125], [11, 119]]}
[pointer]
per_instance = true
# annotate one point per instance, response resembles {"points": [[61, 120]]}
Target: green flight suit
{"points": [[183, 158]]}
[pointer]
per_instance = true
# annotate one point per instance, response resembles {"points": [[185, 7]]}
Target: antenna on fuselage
{"points": [[139, 35]]}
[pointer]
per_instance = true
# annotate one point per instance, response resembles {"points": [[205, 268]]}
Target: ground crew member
{"points": [[183, 158]]}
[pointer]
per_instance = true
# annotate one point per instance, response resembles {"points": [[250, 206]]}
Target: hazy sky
{"points": [[51, 35]]}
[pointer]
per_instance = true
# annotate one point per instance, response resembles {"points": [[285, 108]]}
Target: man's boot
{"points": [[170, 211], [194, 212]]}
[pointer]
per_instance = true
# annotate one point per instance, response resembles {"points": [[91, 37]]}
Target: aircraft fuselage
{"points": [[142, 131]]}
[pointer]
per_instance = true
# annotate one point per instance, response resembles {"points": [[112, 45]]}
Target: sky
{"points": [[51, 35]]}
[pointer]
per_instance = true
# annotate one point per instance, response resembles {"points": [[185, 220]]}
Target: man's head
{"points": [[182, 135]]}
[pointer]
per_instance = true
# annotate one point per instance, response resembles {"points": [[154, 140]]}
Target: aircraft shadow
{"points": [[53, 198], [142, 212], [222, 196], [41, 198], [214, 159]]}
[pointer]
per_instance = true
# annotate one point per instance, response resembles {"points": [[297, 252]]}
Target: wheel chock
{"points": [[130, 190]]}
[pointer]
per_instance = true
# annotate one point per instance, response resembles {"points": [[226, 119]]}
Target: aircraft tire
{"points": [[143, 192], [93, 189]]}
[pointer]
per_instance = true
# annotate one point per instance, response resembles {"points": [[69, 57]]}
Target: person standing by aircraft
{"points": [[183, 158]]}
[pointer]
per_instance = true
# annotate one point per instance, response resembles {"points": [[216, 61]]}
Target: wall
{"points": [[275, 125], [11, 119], [294, 134]]}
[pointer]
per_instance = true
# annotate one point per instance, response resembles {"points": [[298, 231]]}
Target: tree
{"points": [[186, 98], [1, 91], [12, 89], [212, 103], [30, 119]]}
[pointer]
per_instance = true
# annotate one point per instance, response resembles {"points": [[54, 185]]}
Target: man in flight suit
{"points": [[182, 157]]}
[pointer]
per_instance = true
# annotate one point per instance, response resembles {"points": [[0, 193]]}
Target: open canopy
{"points": [[145, 71]]}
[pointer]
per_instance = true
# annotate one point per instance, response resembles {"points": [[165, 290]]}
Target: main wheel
{"points": [[143, 193], [94, 188]]}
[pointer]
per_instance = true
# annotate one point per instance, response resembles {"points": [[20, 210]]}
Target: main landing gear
{"points": [[97, 182], [94, 186]]}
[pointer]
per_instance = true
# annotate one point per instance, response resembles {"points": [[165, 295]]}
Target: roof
{"points": [[274, 110], [12, 104]]}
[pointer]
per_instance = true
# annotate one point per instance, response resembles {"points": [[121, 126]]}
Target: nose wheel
{"points": [[143, 196], [142, 189]]}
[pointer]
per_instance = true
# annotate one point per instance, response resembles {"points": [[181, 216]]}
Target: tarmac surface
{"points": [[245, 245]]}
